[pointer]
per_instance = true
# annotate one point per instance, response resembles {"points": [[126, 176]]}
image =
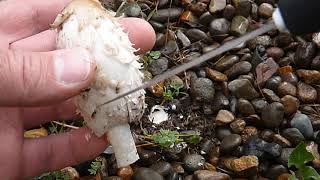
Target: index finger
{"points": [[20, 19]]}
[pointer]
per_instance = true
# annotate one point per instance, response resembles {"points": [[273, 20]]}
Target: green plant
{"points": [[149, 57], [299, 158], [55, 175], [173, 91], [95, 167], [168, 138]]}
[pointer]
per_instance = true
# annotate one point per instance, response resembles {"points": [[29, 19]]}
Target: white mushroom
{"points": [[87, 24]]}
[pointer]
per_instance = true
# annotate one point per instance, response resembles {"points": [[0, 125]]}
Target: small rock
{"points": [[183, 39], [174, 81], [210, 175], [243, 7], [163, 15], [248, 132], [285, 155], [158, 27], [284, 176], [162, 167], [177, 167], [258, 56], [226, 62], [229, 12], [198, 7], [309, 76], [259, 104], [206, 18], [306, 93], [263, 40], [283, 39], [220, 102], [224, 117], [213, 156], [277, 138], [291, 104], [315, 64], [157, 89], [265, 10], [267, 135], [273, 83], [222, 132], [71, 173], [261, 148], [245, 107], [239, 25], [242, 88], [304, 55], [272, 115], [147, 157], [293, 135], [193, 162], [216, 75], [189, 16], [219, 26], [160, 40], [245, 166], [275, 171], [266, 70], [270, 95], [189, 177], [173, 176], [238, 125], [198, 35], [146, 174], [275, 52], [217, 5], [206, 147], [240, 68], [169, 48], [303, 124], [125, 172], [158, 66], [316, 38], [202, 89], [133, 10], [230, 143], [286, 88], [109, 178]]}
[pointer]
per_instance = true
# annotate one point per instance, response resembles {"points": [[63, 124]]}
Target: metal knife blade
{"points": [[222, 49]]}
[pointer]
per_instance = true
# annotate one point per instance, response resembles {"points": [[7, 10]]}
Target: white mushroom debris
{"points": [[87, 24], [158, 114]]}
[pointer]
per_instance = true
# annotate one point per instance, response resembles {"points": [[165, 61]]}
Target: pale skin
{"points": [[34, 91]]}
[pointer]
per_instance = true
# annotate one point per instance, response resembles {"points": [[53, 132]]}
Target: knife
{"points": [[285, 18]]}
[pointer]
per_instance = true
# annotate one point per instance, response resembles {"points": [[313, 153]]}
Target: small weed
{"points": [[96, 166], [172, 92], [150, 57], [299, 158], [55, 175], [168, 138]]}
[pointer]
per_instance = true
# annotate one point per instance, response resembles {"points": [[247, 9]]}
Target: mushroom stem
{"points": [[123, 145]]}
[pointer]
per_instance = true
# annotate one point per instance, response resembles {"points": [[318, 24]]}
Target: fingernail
{"points": [[73, 66]]}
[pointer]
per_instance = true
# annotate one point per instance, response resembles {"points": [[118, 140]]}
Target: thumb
{"points": [[34, 79]]}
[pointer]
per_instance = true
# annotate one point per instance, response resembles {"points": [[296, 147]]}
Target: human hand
{"points": [[36, 85]]}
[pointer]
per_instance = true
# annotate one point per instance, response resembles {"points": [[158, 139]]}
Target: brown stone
{"points": [[248, 132], [284, 176], [224, 117], [188, 16], [291, 104], [275, 52], [306, 93], [270, 95], [210, 175], [245, 166], [126, 172], [309, 76], [286, 88], [277, 138], [238, 125], [266, 70], [216, 75]]}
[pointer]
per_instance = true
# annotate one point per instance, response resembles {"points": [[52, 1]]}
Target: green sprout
{"points": [[55, 175], [173, 91], [150, 57], [96, 166]]}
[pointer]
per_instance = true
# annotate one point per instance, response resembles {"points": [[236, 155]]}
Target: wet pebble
{"points": [[216, 75], [160, 40], [222, 132], [293, 135], [147, 157], [206, 147], [242, 88], [202, 89], [267, 135], [183, 39], [306, 93], [217, 5], [193, 162], [113, 178], [245, 107], [220, 101], [303, 124], [240, 68], [265, 70], [275, 52], [133, 10], [230, 143], [263, 40], [265, 10], [158, 27], [158, 66], [270, 95], [309, 76], [239, 25], [146, 174], [229, 12], [170, 47], [238, 125], [210, 175], [243, 7], [259, 104], [315, 64], [291, 104], [275, 171], [226, 62], [206, 18], [219, 26], [285, 155], [304, 55], [162, 15], [174, 81], [282, 141], [197, 35], [272, 115], [224, 117], [262, 149], [286, 88], [273, 83], [162, 167], [248, 132]]}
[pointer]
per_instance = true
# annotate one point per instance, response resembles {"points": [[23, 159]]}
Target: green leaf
{"points": [[194, 139], [155, 54], [166, 138], [299, 156], [309, 173], [292, 177]]}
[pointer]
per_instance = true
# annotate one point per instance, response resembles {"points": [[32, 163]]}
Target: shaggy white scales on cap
{"points": [[87, 24]]}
